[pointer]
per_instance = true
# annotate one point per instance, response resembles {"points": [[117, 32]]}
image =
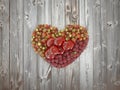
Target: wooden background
{"points": [[98, 68]]}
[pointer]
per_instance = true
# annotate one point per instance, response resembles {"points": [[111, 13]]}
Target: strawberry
{"points": [[58, 41], [51, 52], [68, 45], [50, 42]]}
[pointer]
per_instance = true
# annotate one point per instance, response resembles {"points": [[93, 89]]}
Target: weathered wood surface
{"points": [[98, 68]]}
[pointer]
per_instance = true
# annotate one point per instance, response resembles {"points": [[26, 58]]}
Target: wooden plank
{"points": [[75, 11], [1, 51], [115, 31], [117, 65], [68, 9], [103, 63], [44, 16], [100, 42], [30, 58], [116, 17], [58, 20], [75, 66], [13, 45], [111, 45], [20, 28], [86, 58], [40, 61], [4, 44], [73, 70], [97, 45], [16, 45], [68, 72]]}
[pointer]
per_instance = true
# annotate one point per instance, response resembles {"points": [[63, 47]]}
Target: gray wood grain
{"points": [[99, 46], [44, 16], [111, 44], [4, 45], [116, 69], [20, 28], [30, 58], [72, 80], [16, 45], [0, 53], [58, 20], [86, 58], [14, 60], [98, 67], [68, 9], [116, 83]]}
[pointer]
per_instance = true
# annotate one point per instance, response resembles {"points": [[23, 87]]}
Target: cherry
{"points": [[47, 26], [61, 50], [34, 33], [76, 26]]}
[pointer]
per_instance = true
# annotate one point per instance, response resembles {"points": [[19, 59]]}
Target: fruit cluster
{"points": [[59, 48]]}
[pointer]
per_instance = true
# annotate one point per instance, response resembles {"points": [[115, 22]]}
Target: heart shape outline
{"points": [[59, 48]]}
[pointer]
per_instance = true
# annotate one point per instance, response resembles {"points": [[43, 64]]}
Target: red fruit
{"points": [[43, 41], [76, 55], [34, 33], [54, 64], [56, 61], [64, 61], [47, 26], [61, 50], [68, 45], [51, 52], [50, 42], [59, 66], [59, 57], [77, 26], [36, 39], [61, 62], [58, 41], [70, 26]]}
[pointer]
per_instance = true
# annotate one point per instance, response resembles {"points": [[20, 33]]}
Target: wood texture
{"points": [[30, 58], [5, 45], [98, 67], [86, 58], [58, 14], [44, 15]]}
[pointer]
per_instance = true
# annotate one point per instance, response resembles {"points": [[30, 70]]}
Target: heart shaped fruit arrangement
{"points": [[59, 48]]}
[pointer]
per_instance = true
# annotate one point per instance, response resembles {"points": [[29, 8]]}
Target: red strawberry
{"points": [[58, 41], [51, 52], [50, 42], [68, 45]]}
